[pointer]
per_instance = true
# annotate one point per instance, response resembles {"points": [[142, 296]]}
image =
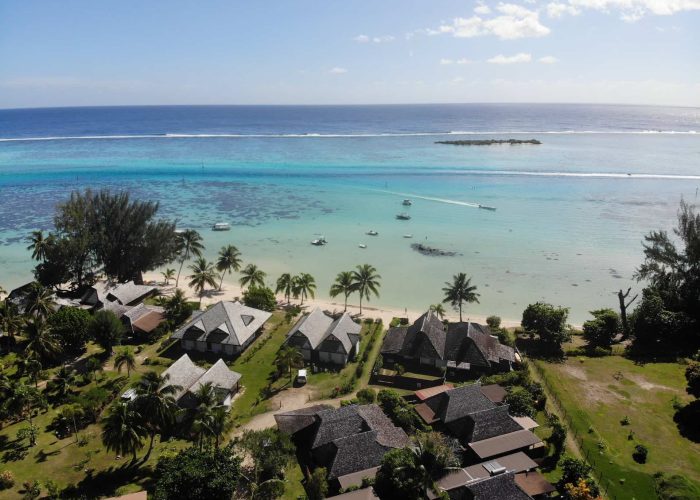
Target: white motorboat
{"points": [[319, 242], [486, 207], [221, 226], [407, 203], [408, 236], [372, 232], [362, 245], [403, 216]]}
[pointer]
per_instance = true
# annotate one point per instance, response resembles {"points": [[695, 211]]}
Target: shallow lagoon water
{"points": [[565, 229]]}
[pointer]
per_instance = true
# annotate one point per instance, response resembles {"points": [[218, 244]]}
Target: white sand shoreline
{"points": [[231, 290]]}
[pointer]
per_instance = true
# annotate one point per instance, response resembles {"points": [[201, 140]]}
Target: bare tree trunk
{"points": [[177, 280], [623, 310]]}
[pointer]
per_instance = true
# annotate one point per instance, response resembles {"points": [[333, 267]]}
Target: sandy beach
{"points": [[231, 291]]}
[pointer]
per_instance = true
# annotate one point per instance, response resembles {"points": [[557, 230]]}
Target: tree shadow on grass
{"points": [[688, 421], [107, 482], [42, 456]]}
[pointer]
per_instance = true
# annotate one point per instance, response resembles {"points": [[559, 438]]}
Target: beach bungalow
{"points": [[143, 319], [460, 348], [349, 442], [484, 427], [190, 377], [322, 339], [226, 327], [117, 297]]}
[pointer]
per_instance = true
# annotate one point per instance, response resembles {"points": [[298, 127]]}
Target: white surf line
{"points": [[430, 198]]}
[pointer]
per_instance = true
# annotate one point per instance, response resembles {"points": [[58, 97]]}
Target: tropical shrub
{"points": [[70, 326], [366, 396], [260, 298], [640, 454], [7, 479]]}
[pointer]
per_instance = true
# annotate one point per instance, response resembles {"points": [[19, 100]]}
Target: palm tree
{"points": [[123, 430], [303, 286], [229, 258], [219, 424], [125, 357], [168, 274], [343, 284], [252, 276], [459, 291], [10, 320], [39, 245], [203, 274], [22, 399], [366, 282], [434, 453], [439, 310], [93, 365], [63, 382], [40, 300], [203, 413], [288, 357], [285, 284], [33, 368], [40, 340], [176, 307], [155, 401], [190, 244]]}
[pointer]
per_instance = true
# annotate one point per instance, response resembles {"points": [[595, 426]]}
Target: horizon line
{"points": [[561, 103]]}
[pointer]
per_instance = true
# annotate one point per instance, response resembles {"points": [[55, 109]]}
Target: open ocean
{"points": [[571, 212]]}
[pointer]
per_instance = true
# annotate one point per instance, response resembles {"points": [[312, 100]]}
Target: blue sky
{"points": [[69, 52]]}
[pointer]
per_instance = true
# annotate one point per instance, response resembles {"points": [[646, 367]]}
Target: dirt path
{"points": [[287, 400]]}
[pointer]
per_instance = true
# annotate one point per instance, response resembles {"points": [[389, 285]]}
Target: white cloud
{"points": [[482, 9], [374, 39], [445, 62], [463, 60], [629, 10], [557, 9], [517, 58], [513, 22], [337, 71], [457, 79], [548, 60]]}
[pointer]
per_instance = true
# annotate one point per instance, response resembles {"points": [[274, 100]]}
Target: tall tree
{"points": [[548, 322], [106, 329], [123, 430], [203, 274], [252, 276], [155, 401], [41, 342], [41, 301], [168, 274], [285, 283], [63, 382], [304, 285], [601, 330], [288, 357], [344, 285], [624, 306], [38, 244], [229, 259], [125, 358], [10, 320], [189, 244], [459, 291], [366, 282], [439, 310], [269, 451], [70, 326], [176, 307], [22, 400]]}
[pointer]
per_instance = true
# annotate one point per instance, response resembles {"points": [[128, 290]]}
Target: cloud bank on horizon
{"points": [[623, 51]]}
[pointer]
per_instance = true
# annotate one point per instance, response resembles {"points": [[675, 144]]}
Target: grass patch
{"points": [[592, 395]]}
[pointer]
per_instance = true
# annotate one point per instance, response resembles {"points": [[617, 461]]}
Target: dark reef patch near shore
{"points": [[432, 252], [489, 142]]}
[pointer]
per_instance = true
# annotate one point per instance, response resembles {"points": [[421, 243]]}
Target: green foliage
{"points": [[32, 490], [41, 342], [573, 470], [270, 451], [177, 309], [547, 322], [399, 411], [675, 487], [252, 276], [601, 330], [30, 433], [7, 479], [401, 475], [669, 315], [194, 473], [317, 486], [303, 285], [260, 298], [366, 396], [459, 291], [365, 281], [520, 402], [229, 260], [640, 454], [106, 329], [434, 453], [70, 326], [494, 322], [558, 436], [692, 375], [123, 430]]}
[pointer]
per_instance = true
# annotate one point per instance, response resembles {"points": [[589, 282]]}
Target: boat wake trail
{"points": [[430, 198]]}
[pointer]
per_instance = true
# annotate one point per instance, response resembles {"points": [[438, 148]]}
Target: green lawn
{"points": [[597, 393]]}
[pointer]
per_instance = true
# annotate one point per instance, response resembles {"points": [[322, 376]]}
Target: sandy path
{"points": [[232, 290]]}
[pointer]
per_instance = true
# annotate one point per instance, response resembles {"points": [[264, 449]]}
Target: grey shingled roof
{"points": [[141, 310], [361, 436], [317, 326], [293, 421], [224, 323], [190, 377], [502, 487], [492, 422], [458, 403]]}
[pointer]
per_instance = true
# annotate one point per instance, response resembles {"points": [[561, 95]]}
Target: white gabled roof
{"points": [[317, 326], [191, 377]]}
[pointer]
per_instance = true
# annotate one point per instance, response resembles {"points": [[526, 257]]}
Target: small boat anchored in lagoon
{"points": [[372, 232], [319, 242], [486, 207], [407, 203], [403, 216], [221, 226]]}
